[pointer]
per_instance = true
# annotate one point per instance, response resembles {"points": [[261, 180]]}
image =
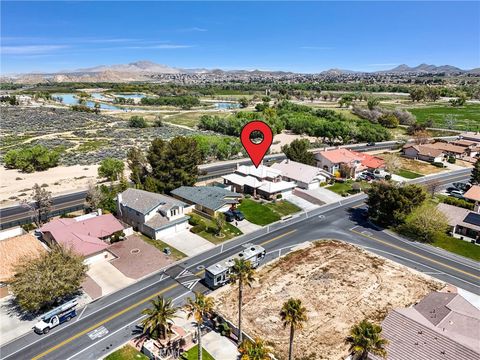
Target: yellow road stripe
{"points": [[81, 333], [76, 336], [278, 237], [414, 253]]}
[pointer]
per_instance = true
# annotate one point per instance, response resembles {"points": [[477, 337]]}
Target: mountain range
{"points": [[144, 71]]}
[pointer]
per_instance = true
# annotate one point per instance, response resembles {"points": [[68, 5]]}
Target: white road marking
{"points": [[98, 333], [79, 316], [122, 328]]}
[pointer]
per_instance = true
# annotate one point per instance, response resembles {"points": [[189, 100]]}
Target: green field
{"points": [[464, 118], [126, 353]]}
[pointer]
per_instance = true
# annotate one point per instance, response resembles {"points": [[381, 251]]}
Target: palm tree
{"points": [[159, 318], [366, 338], [199, 308], [243, 273], [293, 314], [256, 350]]}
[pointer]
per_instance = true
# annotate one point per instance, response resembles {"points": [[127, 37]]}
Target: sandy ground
{"points": [[16, 186], [338, 283], [286, 138]]}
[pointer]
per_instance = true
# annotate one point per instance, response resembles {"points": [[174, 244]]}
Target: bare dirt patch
{"points": [[338, 283], [417, 166]]}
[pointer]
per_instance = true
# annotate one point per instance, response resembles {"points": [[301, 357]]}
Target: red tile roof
{"points": [[83, 236], [346, 156]]}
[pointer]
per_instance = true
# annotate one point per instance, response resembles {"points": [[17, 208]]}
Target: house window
{"points": [[174, 212]]}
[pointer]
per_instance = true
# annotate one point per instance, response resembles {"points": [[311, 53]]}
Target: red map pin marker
{"points": [[256, 151]]}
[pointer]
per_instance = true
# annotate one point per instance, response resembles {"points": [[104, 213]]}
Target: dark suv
{"points": [[232, 215], [238, 215]]}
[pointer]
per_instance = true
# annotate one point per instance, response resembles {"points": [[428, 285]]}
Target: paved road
{"points": [[18, 215], [110, 321]]}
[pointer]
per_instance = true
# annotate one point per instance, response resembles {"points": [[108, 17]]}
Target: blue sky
{"points": [[296, 36]]}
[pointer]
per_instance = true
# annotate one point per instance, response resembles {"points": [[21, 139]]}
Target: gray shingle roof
{"points": [[144, 201], [211, 197]]}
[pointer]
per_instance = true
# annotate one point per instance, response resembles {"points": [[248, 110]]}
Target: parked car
{"points": [[229, 215], [451, 188], [238, 215], [371, 144], [461, 186], [457, 194]]}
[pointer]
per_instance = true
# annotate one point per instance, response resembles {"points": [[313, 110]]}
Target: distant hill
{"points": [[142, 66], [424, 68]]}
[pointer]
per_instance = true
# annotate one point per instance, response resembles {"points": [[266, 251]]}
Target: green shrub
{"points": [[137, 122], [438, 164], [457, 202], [117, 236], [452, 160], [279, 196], [388, 177], [198, 228], [248, 196], [30, 159], [323, 183]]}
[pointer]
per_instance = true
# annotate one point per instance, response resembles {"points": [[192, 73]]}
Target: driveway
{"points": [[108, 277], [246, 226], [301, 203], [188, 242], [324, 195]]}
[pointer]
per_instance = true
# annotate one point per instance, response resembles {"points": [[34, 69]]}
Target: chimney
{"points": [[119, 202]]}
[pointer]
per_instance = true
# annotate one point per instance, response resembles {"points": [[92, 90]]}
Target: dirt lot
{"points": [[417, 166], [338, 283]]}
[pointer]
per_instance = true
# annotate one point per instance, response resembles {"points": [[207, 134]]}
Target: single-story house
{"points": [[473, 147], [154, 215], [304, 176], [207, 199], [449, 149], [423, 152], [464, 224], [86, 235], [14, 250], [441, 326], [333, 160], [473, 194], [262, 181]]}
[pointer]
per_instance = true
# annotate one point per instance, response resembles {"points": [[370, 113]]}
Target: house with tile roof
{"points": [[13, 250], [441, 326], [464, 224], [355, 162], [154, 215], [86, 235], [207, 199], [423, 152], [263, 181], [304, 176]]}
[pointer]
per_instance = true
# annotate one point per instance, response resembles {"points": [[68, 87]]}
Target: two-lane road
{"points": [[111, 320]]}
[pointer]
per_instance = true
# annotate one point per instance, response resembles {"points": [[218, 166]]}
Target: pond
{"points": [[71, 99], [131, 96], [226, 105]]}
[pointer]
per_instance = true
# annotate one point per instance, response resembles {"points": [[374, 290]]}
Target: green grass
{"points": [[457, 246], [127, 353], [465, 117], [407, 174], [283, 207], [91, 145], [160, 245], [342, 188], [192, 354], [257, 213], [229, 231]]}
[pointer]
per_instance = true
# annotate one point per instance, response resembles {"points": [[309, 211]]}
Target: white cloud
{"points": [[30, 49]]}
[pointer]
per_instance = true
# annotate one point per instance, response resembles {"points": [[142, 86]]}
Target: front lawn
{"points": [[457, 246], [127, 353], [160, 245], [407, 174], [210, 229], [192, 354], [283, 207], [257, 213], [346, 187]]}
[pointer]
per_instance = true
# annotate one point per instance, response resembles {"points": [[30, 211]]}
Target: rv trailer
{"points": [[219, 274]]}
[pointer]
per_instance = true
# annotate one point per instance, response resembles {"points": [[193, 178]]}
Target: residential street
{"points": [[117, 314]]}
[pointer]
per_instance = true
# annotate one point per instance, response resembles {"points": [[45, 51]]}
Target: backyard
{"points": [[264, 214], [207, 229]]}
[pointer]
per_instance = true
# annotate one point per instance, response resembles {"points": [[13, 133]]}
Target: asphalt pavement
{"points": [[107, 323]]}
